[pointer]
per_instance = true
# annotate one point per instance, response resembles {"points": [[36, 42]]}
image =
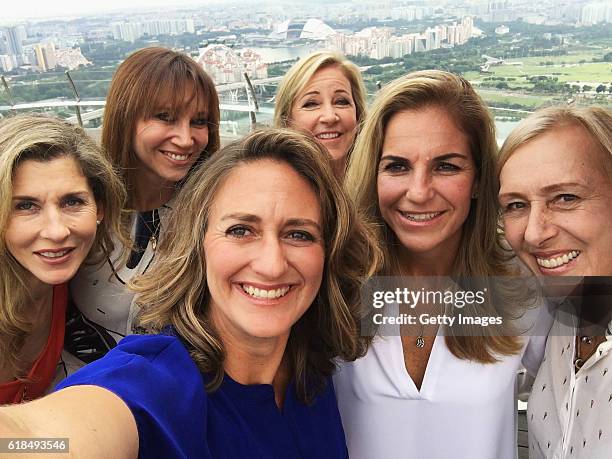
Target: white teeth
{"points": [[177, 157], [328, 135], [420, 217], [261, 293], [555, 262], [53, 254]]}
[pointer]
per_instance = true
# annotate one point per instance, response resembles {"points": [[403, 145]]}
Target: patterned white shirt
{"points": [[570, 413]]}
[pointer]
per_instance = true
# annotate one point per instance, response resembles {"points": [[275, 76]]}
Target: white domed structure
{"points": [[292, 29]]}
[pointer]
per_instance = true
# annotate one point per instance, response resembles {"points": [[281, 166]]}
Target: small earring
{"points": [[98, 222], [475, 195]]}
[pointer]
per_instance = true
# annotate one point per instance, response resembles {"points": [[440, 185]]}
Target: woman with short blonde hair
{"points": [[555, 174]]}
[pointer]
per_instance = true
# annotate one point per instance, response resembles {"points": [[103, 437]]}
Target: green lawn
{"points": [[574, 67]]}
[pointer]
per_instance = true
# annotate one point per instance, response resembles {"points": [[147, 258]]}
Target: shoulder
{"points": [[139, 360]]}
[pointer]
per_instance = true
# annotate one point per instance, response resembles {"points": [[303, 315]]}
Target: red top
{"points": [[42, 373]]}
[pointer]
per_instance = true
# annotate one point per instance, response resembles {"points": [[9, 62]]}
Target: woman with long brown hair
{"points": [[423, 169], [161, 122]]}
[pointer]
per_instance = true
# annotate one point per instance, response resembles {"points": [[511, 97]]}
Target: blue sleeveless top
{"points": [[176, 418]]}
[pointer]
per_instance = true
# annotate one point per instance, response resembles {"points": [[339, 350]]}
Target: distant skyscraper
{"points": [[14, 39], [45, 56]]}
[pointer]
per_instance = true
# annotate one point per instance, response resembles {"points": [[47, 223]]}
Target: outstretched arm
{"points": [[96, 421]]}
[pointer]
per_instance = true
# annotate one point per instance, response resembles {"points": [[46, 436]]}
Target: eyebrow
{"points": [[250, 218], [437, 158], [316, 93], [555, 187], [78, 194], [560, 186]]}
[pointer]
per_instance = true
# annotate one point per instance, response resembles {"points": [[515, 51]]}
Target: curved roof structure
{"points": [[293, 29]]}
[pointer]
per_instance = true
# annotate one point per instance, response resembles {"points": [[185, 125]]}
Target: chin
{"points": [[56, 278]]}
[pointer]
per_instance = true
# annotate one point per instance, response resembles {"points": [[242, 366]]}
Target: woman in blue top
{"points": [[255, 294]]}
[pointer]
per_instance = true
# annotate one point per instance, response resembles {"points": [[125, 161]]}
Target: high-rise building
{"points": [[14, 39], [45, 56]]}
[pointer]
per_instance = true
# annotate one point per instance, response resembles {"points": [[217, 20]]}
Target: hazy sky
{"points": [[16, 9]]}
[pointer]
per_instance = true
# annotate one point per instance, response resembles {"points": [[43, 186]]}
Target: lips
{"points": [[421, 216], [176, 156], [265, 293], [332, 135], [557, 260], [54, 255]]}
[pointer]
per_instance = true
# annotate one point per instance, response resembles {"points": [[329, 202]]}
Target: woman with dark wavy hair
{"points": [[255, 295]]}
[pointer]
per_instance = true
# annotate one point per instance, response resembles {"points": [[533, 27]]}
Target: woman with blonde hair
{"points": [[161, 122], [423, 170], [255, 295], [555, 173], [61, 205], [323, 93]]}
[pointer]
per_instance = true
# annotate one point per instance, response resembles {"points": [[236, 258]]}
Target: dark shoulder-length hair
{"points": [[146, 81], [175, 292]]}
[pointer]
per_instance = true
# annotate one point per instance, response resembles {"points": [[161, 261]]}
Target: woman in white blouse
{"points": [[423, 168], [556, 190]]}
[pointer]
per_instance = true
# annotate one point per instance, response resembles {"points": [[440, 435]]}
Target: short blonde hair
{"points": [[42, 138], [597, 121], [175, 292], [299, 75]]}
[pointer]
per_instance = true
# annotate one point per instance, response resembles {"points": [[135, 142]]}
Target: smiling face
{"points": [[166, 147], [264, 251], [425, 181], [555, 197], [325, 107], [53, 223]]}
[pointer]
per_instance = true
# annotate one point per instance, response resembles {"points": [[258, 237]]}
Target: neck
{"points": [[38, 297], [425, 265], [437, 262], [339, 167], [149, 196], [254, 362]]}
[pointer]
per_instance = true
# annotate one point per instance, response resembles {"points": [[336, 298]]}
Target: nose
{"points": [[420, 187], [540, 225], [54, 226], [328, 114], [183, 136], [270, 261]]}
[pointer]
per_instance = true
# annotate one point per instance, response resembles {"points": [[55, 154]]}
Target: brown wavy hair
{"points": [[174, 292]]}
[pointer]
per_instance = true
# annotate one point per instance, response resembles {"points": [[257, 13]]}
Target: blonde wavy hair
{"points": [[597, 121], [174, 292], [480, 252], [296, 79], [42, 138]]}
